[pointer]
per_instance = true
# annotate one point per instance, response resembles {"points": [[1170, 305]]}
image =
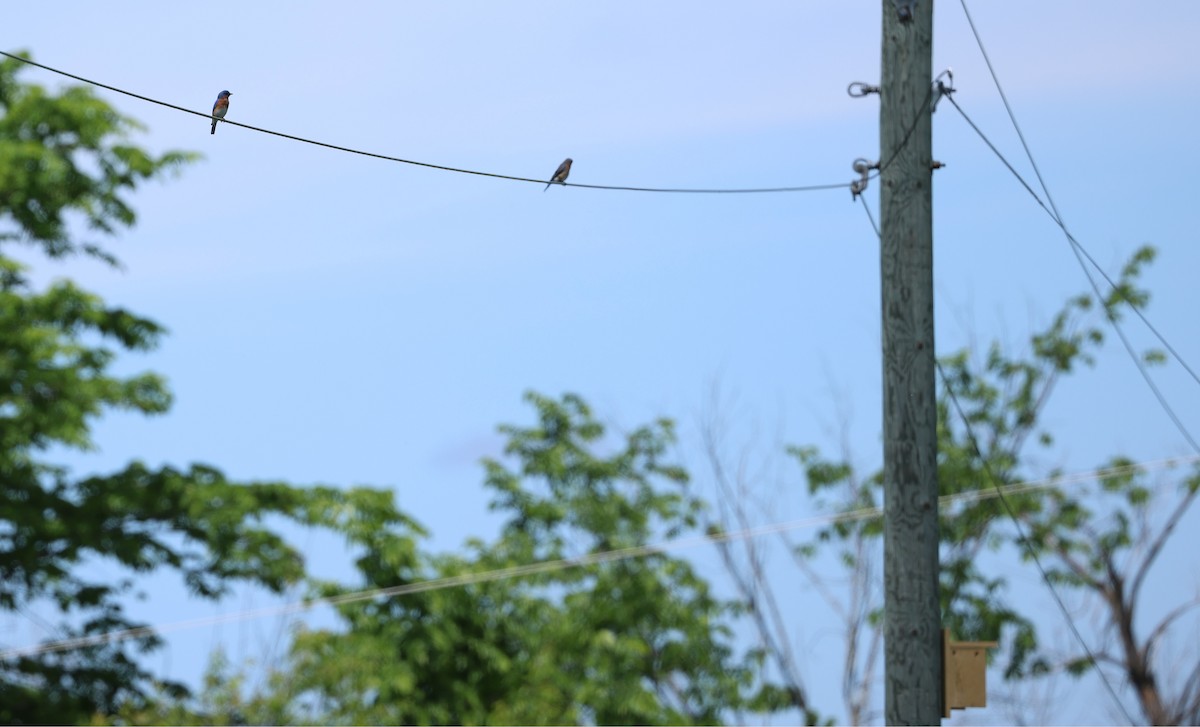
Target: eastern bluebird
{"points": [[220, 108], [560, 174]]}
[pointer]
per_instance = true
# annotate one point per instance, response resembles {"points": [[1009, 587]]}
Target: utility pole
{"points": [[912, 620]]}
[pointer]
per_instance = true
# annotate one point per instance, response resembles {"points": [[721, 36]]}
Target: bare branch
{"points": [[1078, 569], [1165, 624], [1157, 546], [814, 578], [755, 589], [1188, 710]]}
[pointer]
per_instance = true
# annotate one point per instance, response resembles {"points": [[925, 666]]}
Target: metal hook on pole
{"points": [[858, 89]]}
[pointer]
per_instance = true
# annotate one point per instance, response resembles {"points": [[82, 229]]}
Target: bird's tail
{"points": [[547, 186], [214, 128]]}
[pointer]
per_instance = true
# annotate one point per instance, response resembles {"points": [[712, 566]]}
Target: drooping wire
{"points": [[999, 490], [1077, 248], [466, 579], [1053, 208], [1075, 244], [385, 157]]}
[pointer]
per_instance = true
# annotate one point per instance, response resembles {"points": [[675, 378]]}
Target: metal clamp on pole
{"points": [[941, 88], [863, 168]]}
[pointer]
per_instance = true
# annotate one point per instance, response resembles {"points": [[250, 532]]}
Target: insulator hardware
{"points": [[858, 89], [941, 88], [863, 168]]}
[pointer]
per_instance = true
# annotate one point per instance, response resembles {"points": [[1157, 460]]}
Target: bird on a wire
{"points": [[560, 174], [220, 108]]}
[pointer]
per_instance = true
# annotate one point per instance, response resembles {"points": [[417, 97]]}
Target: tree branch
{"points": [[1078, 569], [1163, 625], [1157, 546], [754, 587]]}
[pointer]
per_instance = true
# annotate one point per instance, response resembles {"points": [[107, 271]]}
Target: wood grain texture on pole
{"points": [[912, 622]]}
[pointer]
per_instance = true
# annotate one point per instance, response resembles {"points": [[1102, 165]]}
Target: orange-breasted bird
{"points": [[220, 108]]}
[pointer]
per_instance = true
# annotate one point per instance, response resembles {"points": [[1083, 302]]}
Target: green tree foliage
{"points": [[1101, 541], [65, 162], [639, 640], [223, 699], [633, 640], [602, 640], [648, 627], [65, 158]]}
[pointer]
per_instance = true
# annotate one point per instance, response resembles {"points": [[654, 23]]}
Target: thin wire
{"points": [[1029, 544], [870, 216], [1007, 106], [385, 157], [1001, 157], [1075, 244], [1077, 248], [1056, 215], [467, 579]]}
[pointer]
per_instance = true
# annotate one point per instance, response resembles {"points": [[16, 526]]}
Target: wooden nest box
{"points": [[964, 670]]}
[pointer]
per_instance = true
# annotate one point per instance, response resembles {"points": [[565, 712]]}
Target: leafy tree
{"points": [[639, 640], [65, 160], [634, 640], [1101, 542], [584, 639], [221, 700]]}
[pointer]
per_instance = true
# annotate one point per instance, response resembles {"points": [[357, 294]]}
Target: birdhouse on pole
{"points": [[964, 668]]}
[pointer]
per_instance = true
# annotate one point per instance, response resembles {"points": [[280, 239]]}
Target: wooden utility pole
{"points": [[912, 621]]}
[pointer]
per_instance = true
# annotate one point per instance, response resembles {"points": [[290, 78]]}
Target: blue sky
{"points": [[344, 320]]}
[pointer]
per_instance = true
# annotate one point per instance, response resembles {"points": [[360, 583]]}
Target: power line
{"points": [[1080, 253], [467, 579], [1037, 171], [1008, 107], [1076, 246], [385, 157]]}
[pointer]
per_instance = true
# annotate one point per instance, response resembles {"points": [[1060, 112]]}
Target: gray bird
{"points": [[560, 174]]}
